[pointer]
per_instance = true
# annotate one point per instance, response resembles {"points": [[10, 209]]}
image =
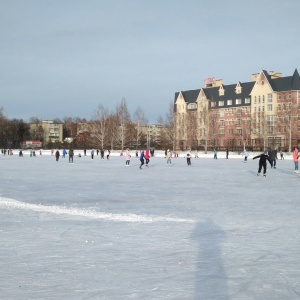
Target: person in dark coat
{"points": [[272, 156], [71, 154], [263, 158], [57, 155]]}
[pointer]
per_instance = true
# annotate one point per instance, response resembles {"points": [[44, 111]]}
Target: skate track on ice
{"points": [[14, 204]]}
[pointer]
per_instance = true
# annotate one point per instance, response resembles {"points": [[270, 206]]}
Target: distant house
{"points": [[31, 144]]}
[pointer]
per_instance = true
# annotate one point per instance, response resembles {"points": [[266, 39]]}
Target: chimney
{"points": [[254, 76], [218, 82]]}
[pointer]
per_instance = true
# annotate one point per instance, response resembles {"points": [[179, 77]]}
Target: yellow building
{"points": [[259, 114]]}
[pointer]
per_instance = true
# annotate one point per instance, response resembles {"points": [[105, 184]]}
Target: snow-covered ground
{"points": [[96, 229]]}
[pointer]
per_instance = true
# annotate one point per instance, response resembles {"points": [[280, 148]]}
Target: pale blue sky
{"points": [[63, 58]]}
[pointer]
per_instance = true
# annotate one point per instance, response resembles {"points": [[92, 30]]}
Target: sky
{"points": [[64, 58], [96, 229]]}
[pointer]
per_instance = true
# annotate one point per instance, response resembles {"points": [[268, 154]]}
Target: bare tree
{"points": [[123, 119], [99, 126], [191, 129], [139, 119], [169, 126]]}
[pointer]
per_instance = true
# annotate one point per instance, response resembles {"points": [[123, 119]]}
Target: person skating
{"points": [[281, 155], [272, 155], [142, 159], [64, 153], [57, 155], [127, 158], [107, 154], [295, 159], [188, 158], [246, 154], [215, 154], [71, 154], [169, 155], [147, 156], [263, 158]]}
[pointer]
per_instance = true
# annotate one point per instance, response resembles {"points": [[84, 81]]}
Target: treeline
{"points": [[106, 130]]}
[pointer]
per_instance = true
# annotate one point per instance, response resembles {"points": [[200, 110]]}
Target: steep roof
{"points": [[283, 84], [278, 84], [213, 93]]}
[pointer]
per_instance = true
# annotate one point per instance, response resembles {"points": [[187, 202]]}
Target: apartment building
{"points": [[262, 113]]}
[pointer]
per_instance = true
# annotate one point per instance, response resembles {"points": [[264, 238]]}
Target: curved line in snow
{"points": [[91, 214]]}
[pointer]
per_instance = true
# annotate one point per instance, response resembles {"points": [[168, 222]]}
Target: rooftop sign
{"points": [[209, 80]]}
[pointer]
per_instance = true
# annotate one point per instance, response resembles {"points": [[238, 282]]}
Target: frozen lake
{"points": [[96, 229]]}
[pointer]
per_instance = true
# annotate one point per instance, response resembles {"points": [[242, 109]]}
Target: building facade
{"points": [[51, 132], [260, 114]]}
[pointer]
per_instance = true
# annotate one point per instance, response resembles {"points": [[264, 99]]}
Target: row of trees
{"points": [[106, 130], [117, 130]]}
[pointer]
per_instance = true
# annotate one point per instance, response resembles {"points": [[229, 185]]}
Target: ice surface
{"points": [[96, 229]]}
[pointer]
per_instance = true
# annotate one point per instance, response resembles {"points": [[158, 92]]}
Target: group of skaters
{"points": [[271, 157]]}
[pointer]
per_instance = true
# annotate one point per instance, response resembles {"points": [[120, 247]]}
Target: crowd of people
{"points": [[144, 156]]}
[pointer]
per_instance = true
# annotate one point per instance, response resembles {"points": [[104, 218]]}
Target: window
{"points": [[247, 100], [270, 107], [239, 131], [279, 107], [221, 113], [270, 98], [213, 104], [222, 122], [255, 100], [222, 132], [258, 99], [238, 101], [263, 108], [239, 122], [221, 103], [221, 91], [229, 102], [192, 106]]}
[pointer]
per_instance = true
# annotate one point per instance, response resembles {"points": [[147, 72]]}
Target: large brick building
{"points": [[260, 114]]}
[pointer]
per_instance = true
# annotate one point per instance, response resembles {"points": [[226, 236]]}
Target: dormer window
{"points": [[238, 89], [192, 106], [221, 91]]}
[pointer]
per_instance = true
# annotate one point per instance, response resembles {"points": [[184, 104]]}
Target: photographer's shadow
{"points": [[211, 280]]}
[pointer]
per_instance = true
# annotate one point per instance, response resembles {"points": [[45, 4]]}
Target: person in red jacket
{"points": [[295, 159], [147, 156]]}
